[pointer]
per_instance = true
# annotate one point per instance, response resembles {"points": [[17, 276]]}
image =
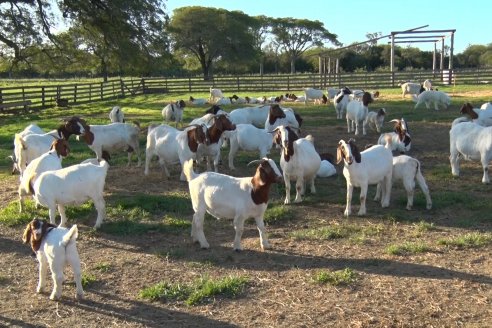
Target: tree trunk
{"points": [[292, 65], [104, 70]]}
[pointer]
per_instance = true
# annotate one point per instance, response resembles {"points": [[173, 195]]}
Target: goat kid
{"points": [[375, 120], [400, 139], [482, 117], [116, 115], [174, 112], [357, 113]]}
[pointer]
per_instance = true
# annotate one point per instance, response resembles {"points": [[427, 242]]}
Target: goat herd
{"points": [[38, 157]]}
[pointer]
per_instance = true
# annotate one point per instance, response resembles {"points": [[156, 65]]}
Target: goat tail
{"points": [[423, 185], [188, 170], [310, 138], [71, 235]]}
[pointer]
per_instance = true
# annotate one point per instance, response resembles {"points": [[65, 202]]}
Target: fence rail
{"points": [[47, 96]]}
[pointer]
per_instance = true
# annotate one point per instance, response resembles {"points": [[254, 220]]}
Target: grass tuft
{"points": [[470, 240], [407, 248], [343, 277], [278, 213], [88, 279]]}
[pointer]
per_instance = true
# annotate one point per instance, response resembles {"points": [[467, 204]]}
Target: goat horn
{"points": [[254, 162]]}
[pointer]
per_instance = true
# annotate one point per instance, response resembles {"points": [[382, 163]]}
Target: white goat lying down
{"points": [[224, 196], [116, 115], [473, 142], [482, 117], [372, 166], [326, 168], [357, 113], [375, 120], [400, 138], [198, 101], [299, 161], [75, 184], [407, 170], [431, 97], [49, 161], [249, 138], [54, 247]]}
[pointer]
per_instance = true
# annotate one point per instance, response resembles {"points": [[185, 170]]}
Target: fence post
{"points": [[288, 83], [122, 87], [189, 83], [75, 94], [142, 81], [43, 100], [102, 90], [237, 79]]}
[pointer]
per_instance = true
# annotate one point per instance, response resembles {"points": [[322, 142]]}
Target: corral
{"points": [[393, 267]]}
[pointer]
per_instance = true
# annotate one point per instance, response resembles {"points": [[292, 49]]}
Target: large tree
{"points": [[212, 34], [295, 36]]}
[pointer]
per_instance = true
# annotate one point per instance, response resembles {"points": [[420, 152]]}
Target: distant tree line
{"points": [[138, 37]]}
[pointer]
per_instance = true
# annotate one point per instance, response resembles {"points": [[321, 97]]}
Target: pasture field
{"points": [[390, 268]]}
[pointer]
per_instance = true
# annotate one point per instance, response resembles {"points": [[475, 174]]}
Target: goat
{"points": [[331, 92], [326, 168], [72, 185], [224, 196], [174, 112], [357, 112], [315, 94], [486, 106], [473, 142], [250, 115], [249, 138], [299, 161], [223, 101], [209, 115], [198, 101], [173, 146], [432, 97], [30, 129], [282, 116], [372, 166], [54, 247], [116, 115], [50, 160], [400, 138], [407, 170], [411, 88], [215, 94], [340, 101], [482, 117], [427, 85], [375, 120], [238, 100]]}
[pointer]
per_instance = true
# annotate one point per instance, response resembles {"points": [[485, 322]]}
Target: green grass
{"points": [[103, 267], [88, 279], [407, 248], [278, 213], [470, 240], [343, 277], [127, 227], [356, 233], [200, 291]]}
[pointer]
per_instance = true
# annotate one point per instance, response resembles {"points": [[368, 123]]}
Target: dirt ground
{"points": [[445, 287]]}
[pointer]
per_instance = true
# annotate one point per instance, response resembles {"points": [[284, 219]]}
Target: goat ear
{"points": [[26, 237], [339, 154]]}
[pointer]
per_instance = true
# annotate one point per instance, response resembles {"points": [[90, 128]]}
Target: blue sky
{"points": [[351, 20]]}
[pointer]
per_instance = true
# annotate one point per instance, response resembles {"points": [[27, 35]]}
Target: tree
{"points": [[295, 36], [211, 34]]}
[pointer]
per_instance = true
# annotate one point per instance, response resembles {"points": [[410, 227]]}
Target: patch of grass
{"points": [[103, 267], [337, 232], [10, 215], [423, 226], [88, 279], [173, 202], [3, 280], [196, 293], [130, 214], [343, 277], [470, 240], [278, 213], [133, 226], [176, 253], [407, 248]]}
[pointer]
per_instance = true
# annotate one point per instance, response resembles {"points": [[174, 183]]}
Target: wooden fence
{"points": [[47, 96]]}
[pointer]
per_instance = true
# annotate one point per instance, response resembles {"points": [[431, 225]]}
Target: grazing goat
{"points": [[432, 97], [340, 102], [224, 196], [215, 94], [173, 146], [407, 170], [375, 120], [49, 161], [315, 94], [75, 184], [116, 115], [54, 247], [372, 166], [174, 112], [473, 142], [400, 138], [106, 139], [410, 88], [30, 129], [357, 112], [198, 101], [249, 138], [299, 161], [482, 117]]}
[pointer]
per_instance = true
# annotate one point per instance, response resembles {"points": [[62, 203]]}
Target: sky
{"points": [[351, 20]]}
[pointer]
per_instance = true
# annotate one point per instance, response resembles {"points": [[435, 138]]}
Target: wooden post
{"points": [[75, 94], [337, 75], [392, 60], [320, 64], [122, 88], [237, 81], [189, 83], [329, 71], [434, 57], [288, 83], [442, 60], [90, 92], [450, 67], [143, 86], [43, 97], [102, 90]]}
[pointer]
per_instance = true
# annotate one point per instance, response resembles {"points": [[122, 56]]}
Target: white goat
{"points": [[49, 161], [215, 94], [473, 142], [316, 95], [357, 112], [250, 115], [208, 117], [238, 100], [407, 170], [375, 120], [372, 166], [400, 139], [331, 92], [326, 169], [247, 137], [427, 85], [223, 101], [198, 101], [482, 117], [55, 247], [30, 129], [75, 184], [410, 88], [106, 139], [224, 196], [116, 115], [173, 146], [282, 116], [432, 97], [340, 102], [486, 106], [299, 161], [174, 112]]}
